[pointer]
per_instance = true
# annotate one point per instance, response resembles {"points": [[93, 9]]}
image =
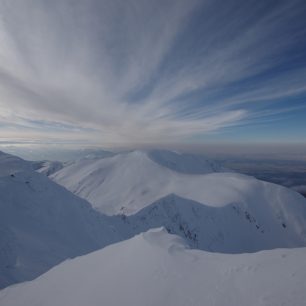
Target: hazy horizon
{"points": [[64, 152]]}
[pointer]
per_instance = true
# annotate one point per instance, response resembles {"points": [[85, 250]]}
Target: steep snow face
{"points": [[125, 182], [42, 224], [234, 228], [156, 268]]}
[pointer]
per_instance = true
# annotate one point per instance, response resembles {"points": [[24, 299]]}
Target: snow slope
{"points": [[234, 228], [10, 164], [42, 224], [156, 268], [48, 167], [220, 212], [129, 181]]}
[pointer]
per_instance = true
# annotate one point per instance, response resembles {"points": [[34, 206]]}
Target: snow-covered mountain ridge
{"points": [[127, 182], [234, 228], [216, 211], [43, 223]]}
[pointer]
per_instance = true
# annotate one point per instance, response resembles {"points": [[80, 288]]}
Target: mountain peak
{"points": [[139, 177]]}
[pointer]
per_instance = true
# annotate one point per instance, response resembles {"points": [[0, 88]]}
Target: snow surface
{"points": [[234, 228], [42, 224], [48, 167], [156, 268], [220, 212], [129, 182], [10, 164]]}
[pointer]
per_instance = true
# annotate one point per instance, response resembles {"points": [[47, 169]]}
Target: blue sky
{"points": [[116, 73]]}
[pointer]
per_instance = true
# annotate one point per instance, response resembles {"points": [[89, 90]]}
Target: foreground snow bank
{"points": [[156, 268]]}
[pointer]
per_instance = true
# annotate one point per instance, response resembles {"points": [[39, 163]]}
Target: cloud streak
{"points": [[145, 71]]}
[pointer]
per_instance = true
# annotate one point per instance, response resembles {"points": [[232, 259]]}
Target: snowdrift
{"points": [[156, 268]]}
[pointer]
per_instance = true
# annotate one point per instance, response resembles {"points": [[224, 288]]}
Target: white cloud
{"points": [[78, 64]]}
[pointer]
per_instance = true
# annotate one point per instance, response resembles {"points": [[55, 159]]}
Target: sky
{"points": [[142, 72]]}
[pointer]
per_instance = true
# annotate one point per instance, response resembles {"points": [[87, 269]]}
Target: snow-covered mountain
{"points": [[42, 224], [223, 212], [156, 268], [237, 227], [128, 182]]}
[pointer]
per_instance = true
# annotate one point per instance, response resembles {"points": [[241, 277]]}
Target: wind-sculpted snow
{"points": [[156, 268]]}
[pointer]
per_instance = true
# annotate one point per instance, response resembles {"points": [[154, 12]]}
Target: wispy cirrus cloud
{"points": [[146, 71]]}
